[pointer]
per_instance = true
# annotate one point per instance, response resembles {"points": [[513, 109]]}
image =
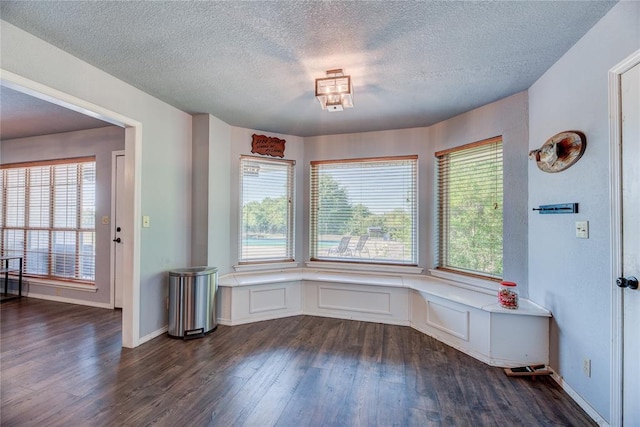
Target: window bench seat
{"points": [[469, 320]]}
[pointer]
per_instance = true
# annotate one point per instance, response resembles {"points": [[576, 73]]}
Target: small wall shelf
{"points": [[562, 208]]}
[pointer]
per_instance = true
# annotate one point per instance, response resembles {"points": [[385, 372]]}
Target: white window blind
{"points": [[364, 210], [266, 210], [48, 217], [470, 208]]}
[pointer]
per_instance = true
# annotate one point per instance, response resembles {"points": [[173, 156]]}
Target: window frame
{"points": [[78, 230], [291, 212], [441, 248], [313, 220]]}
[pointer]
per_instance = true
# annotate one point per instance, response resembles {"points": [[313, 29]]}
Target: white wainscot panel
{"points": [[460, 326], [364, 301], [452, 320], [519, 340], [358, 302], [223, 305], [260, 302]]}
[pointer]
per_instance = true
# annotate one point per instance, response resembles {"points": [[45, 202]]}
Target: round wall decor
{"points": [[560, 151]]}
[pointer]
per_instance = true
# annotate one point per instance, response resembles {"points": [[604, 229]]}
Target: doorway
{"points": [[130, 198], [624, 90]]}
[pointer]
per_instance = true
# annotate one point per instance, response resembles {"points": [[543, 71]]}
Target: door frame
{"points": [[615, 180], [112, 223], [132, 184]]}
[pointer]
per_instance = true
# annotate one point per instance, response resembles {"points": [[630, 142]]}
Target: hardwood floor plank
{"points": [[63, 365], [360, 405], [393, 356], [37, 408], [274, 401]]}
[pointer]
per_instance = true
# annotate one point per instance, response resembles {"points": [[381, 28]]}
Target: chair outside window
{"points": [[343, 248], [360, 246]]}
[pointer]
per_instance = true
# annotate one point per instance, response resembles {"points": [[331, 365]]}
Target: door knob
{"points": [[627, 282], [118, 240]]}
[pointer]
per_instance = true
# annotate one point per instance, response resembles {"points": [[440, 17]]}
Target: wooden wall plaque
{"points": [[267, 145]]}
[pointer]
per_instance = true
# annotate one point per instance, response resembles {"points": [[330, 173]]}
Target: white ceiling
{"points": [[23, 116], [253, 64]]}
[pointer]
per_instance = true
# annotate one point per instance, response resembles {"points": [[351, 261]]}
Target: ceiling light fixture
{"points": [[335, 92]]}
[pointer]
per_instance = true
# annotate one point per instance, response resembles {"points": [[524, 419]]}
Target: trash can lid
{"points": [[193, 271]]}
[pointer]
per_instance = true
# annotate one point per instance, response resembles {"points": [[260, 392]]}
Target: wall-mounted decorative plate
{"points": [[560, 151]]}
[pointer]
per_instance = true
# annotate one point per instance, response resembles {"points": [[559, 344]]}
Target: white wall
{"points": [[95, 142], [220, 207], [507, 117], [211, 193], [570, 276], [165, 163], [200, 190]]}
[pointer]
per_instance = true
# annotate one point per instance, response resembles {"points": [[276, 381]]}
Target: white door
{"points": [[118, 214], [630, 163]]}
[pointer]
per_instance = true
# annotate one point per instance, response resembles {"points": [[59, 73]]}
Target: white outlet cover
{"points": [[586, 367], [582, 229]]}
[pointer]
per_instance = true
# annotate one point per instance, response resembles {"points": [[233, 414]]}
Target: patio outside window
{"points": [[364, 210]]}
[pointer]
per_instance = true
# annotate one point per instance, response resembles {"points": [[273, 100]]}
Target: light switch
{"points": [[105, 220], [582, 229], [145, 221]]}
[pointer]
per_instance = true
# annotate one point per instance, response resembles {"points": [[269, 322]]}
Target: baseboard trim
{"points": [[245, 320], [579, 400], [358, 317], [68, 300], [153, 335]]}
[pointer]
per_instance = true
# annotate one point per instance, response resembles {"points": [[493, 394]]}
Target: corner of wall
{"points": [[200, 189], [218, 197]]}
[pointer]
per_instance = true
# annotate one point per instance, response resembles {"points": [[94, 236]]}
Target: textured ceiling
{"points": [[24, 116], [253, 64]]}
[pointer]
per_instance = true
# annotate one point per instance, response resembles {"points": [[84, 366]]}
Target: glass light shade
{"points": [[334, 92]]}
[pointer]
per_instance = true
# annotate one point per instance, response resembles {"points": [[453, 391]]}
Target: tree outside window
{"points": [[364, 210], [266, 210], [470, 191]]}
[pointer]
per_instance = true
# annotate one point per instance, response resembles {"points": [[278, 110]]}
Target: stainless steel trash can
{"points": [[192, 302]]}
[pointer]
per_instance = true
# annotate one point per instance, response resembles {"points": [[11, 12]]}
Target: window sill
{"points": [[265, 266], [378, 268], [60, 284], [473, 283]]}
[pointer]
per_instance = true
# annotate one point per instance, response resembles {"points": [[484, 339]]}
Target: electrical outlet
{"points": [[582, 229], [586, 367]]}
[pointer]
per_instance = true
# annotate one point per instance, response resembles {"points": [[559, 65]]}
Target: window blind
{"points": [[470, 196], [364, 210], [267, 210], [48, 216]]}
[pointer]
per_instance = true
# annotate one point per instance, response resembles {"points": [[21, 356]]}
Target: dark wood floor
{"points": [[63, 364]]}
